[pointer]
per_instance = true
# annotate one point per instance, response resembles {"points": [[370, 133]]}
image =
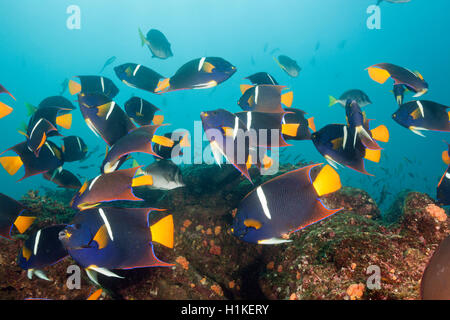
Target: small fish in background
{"points": [[41, 250], [414, 81], [139, 140], [284, 205], [63, 179], [107, 63], [165, 174], [317, 46], [142, 112], [4, 108], [101, 239], [264, 98], [107, 187], [434, 282], [354, 95], [262, 78], [393, 1], [157, 43], [274, 51], [288, 65], [104, 117], [423, 115], [93, 84], [201, 73], [342, 44], [138, 76], [74, 149], [12, 213], [64, 86], [50, 158]]}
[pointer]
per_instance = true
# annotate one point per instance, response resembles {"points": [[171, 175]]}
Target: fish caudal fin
{"points": [[333, 101], [11, 164], [30, 109], [290, 129], [373, 155], [327, 181], [311, 124], [380, 133], [74, 87], [158, 119], [245, 87], [22, 223], [4, 110], [144, 40], [445, 157], [162, 231], [378, 75], [144, 180], [287, 98], [163, 141], [163, 86], [64, 121]]}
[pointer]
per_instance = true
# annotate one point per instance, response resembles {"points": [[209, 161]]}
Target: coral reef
{"points": [[331, 259]]}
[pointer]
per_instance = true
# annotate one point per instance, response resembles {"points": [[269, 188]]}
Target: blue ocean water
{"points": [[38, 52]]}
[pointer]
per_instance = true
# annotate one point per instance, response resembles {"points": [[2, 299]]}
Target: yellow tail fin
{"points": [[333, 101], [74, 87], [378, 75], [311, 124], [327, 181], [380, 133], [4, 110], [445, 157], [373, 155], [164, 141], [64, 121], [162, 231], [290, 129], [158, 119], [11, 164], [163, 85], [22, 223], [145, 180], [287, 98], [245, 87]]}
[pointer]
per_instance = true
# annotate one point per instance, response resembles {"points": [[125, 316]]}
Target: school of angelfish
{"points": [[103, 237]]}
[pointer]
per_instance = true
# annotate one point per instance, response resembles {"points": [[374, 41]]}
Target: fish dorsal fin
{"points": [[327, 181], [162, 231], [378, 75], [22, 223]]}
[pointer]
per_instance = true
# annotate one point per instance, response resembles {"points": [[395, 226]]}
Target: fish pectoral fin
{"points": [[11, 164], [162, 231], [327, 181], [102, 237], [273, 241], [38, 273], [252, 223], [378, 75]]}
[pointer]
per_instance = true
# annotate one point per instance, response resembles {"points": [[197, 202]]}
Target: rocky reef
{"points": [[332, 259]]}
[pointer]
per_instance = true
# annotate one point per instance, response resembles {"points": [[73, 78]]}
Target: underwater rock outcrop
{"points": [[332, 259]]}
